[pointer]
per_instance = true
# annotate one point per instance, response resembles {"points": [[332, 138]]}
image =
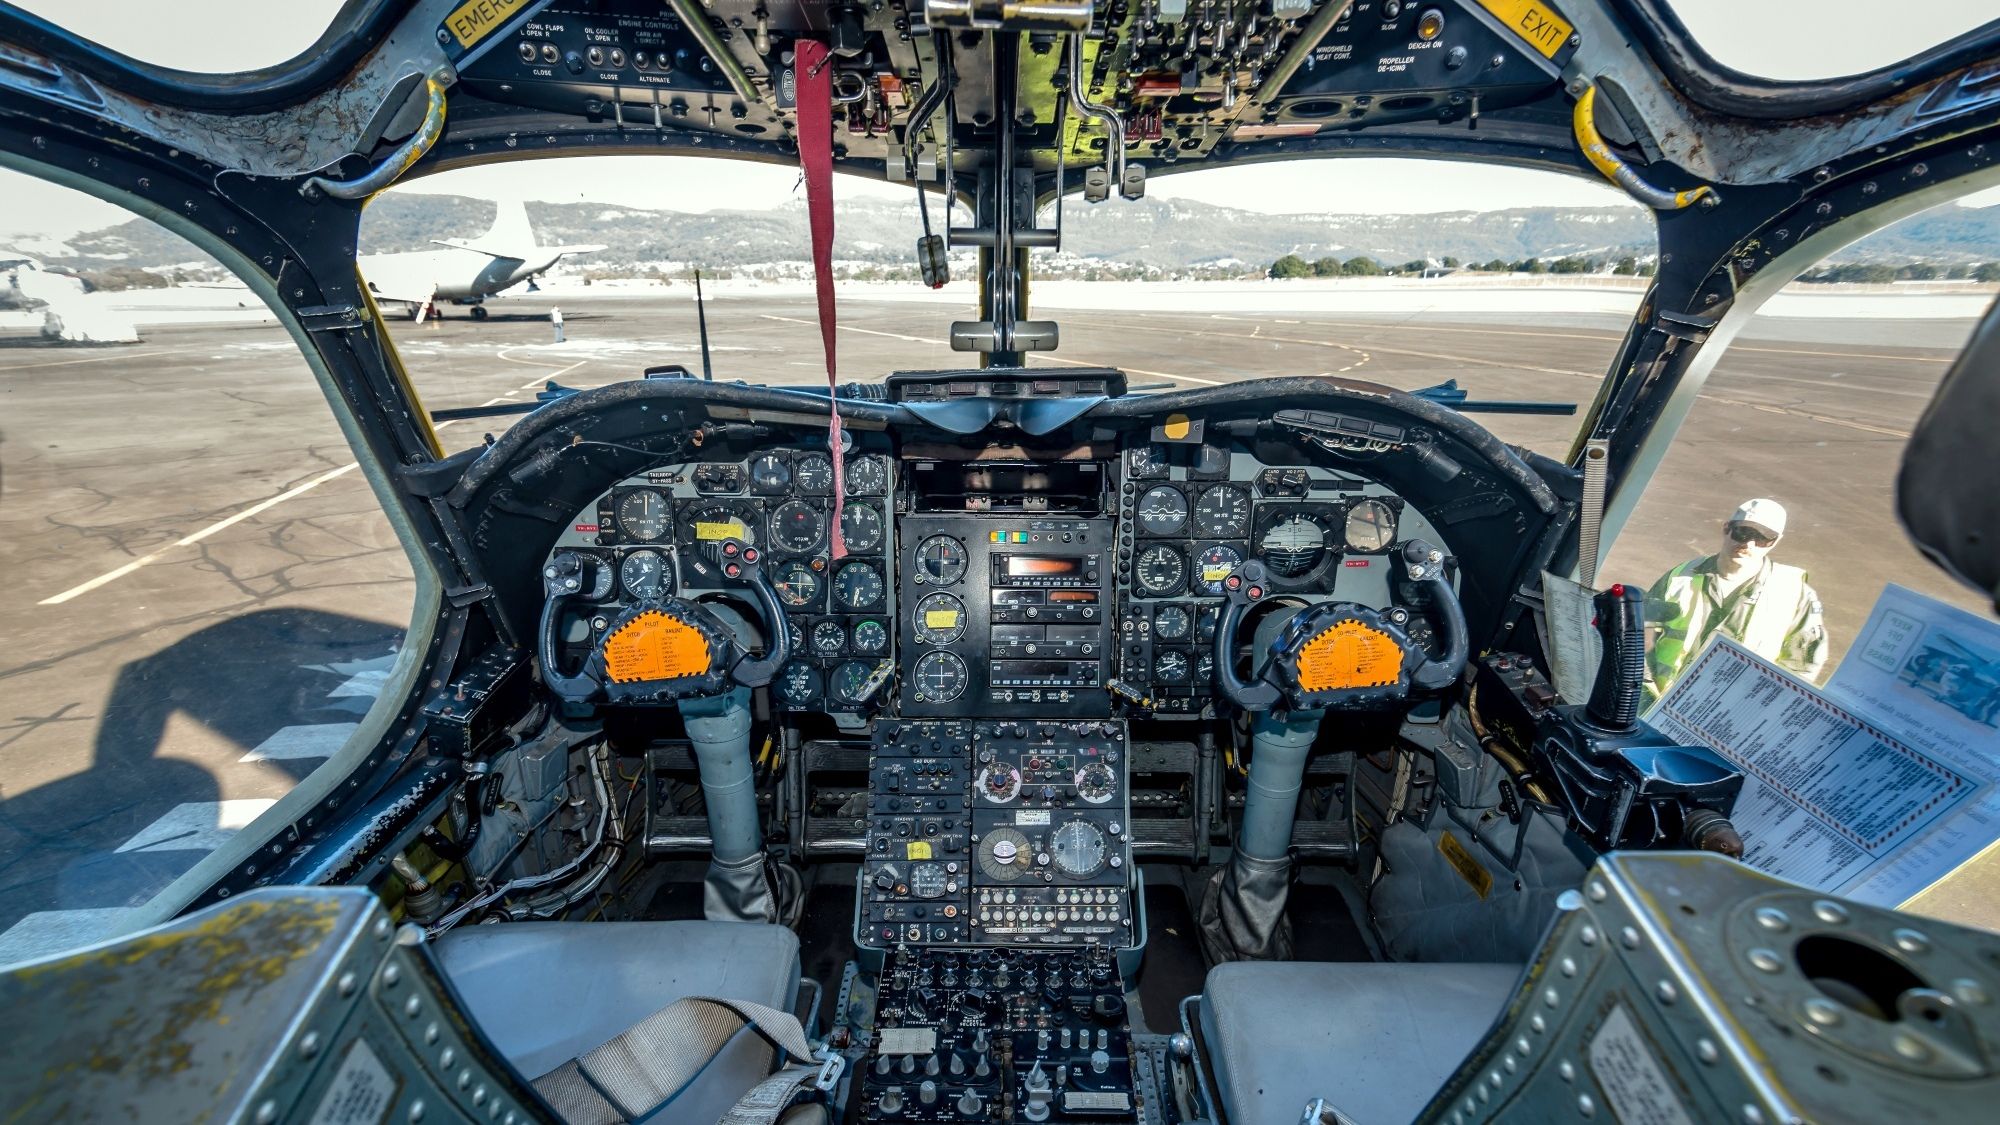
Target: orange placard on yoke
{"points": [[1350, 655], [653, 646]]}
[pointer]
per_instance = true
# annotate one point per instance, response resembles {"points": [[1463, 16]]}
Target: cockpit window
{"points": [[204, 602], [1803, 40], [200, 36]]}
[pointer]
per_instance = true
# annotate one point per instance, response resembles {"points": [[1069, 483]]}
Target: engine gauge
{"points": [[798, 527], [1161, 571], [796, 584], [1079, 849], [929, 880], [1172, 623], [1295, 545], [857, 587], [1005, 855], [1096, 783], [829, 637], [642, 515], [645, 576], [870, 636], [940, 677], [1146, 462], [770, 474], [940, 560], [1170, 667], [796, 635], [861, 527], [1223, 512], [940, 619], [1371, 526], [1215, 564], [1204, 668], [814, 472], [867, 476], [999, 783], [850, 680], [798, 685], [1163, 510]]}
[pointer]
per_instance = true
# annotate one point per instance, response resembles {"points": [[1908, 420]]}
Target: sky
{"points": [[1792, 39]]}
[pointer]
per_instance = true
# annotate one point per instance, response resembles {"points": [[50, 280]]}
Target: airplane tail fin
{"points": [[510, 228]]}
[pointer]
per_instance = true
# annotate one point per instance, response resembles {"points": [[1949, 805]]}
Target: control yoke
{"points": [[1341, 655], [666, 649]]}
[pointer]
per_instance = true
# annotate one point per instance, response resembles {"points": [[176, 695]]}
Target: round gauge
{"points": [[1295, 546], [1163, 510], [1215, 564], [1172, 623], [1223, 512], [796, 584], [603, 576], [940, 619], [769, 473], [1146, 461], [999, 783], [870, 636], [813, 471], [849, 679], [867, 476], [796, 635], [798, 685], [1096, 783], [715, 521], [1171, 667], [940, 677], [928, 880], [645, 576], [829, 637], [642, 515], [1204, 668], [1005, 855], [798, 527], [1079, 849], [857, 587], [1371, 526], [940, 560], [861, 527], [1161, 571]]}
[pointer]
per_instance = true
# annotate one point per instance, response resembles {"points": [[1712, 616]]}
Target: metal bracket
{"points": [[330, 318]]}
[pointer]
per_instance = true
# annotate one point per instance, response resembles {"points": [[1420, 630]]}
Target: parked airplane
{"points": [[466, 271]]}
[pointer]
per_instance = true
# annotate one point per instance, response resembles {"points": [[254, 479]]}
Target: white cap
{"points": [[1767, 516]]}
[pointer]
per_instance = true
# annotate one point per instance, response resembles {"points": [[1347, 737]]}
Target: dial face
{"points": [[1146, 462], [1005, 855], [829, 637], [1170, 667], [814, 472], [770, 474], [1161, 571], [1096, 783], [928, 880], [795, 634], [796, 584], [1371, 526], [798, 684], [645, 576], [1172, 623], [717, 520], [1079, 849], [940, 619], [940, 560], [849, 679], [1163, 510], [999, 783], [867, 476], [870, 636], [1215, 564], [861, 527], [1294, 546], [940, 677], [798, 527], [858, 586], [1223, 512], [642, 515], [1204, 668]]}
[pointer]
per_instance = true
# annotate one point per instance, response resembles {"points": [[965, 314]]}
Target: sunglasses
{"points": [[1744, 533]]}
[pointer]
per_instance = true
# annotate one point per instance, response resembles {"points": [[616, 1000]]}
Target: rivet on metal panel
{"points": [[1766, 959]]}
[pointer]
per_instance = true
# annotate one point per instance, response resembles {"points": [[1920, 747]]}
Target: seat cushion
{"points": [[547, 992], [1375, 1040]]}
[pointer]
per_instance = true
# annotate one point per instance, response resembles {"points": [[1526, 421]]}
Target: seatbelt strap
{"points": [[652, 1061], [812, 65]]}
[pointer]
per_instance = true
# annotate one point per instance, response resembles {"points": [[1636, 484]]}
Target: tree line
{"points": [[1292, 265]]}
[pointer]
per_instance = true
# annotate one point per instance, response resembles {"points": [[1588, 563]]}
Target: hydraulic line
{"points": [[1584, 120], [1114, 144]]}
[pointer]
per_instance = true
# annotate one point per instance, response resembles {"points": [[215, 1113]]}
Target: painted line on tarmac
{"points": [[198, 536], [66, 362], [556, 375]]}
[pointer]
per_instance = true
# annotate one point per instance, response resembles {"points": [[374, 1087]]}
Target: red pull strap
{"points": [[815, 93]]}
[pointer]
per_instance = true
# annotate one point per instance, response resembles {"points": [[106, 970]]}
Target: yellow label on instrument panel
{"points": [[653, 646], [1469, 869], [1545, 30], [1216, 572], [476, 19], [917, 849], [1350, 655], [940, 619], [707, 530]]}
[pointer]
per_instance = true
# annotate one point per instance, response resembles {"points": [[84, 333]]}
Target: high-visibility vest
{"points": [[1774, 596]]}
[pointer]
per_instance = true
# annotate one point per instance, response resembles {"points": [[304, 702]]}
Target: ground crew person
{"points": [[555, 318], [1765, 606]]}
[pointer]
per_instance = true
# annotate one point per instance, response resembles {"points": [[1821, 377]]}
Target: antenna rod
{"points": [[701, 317]]}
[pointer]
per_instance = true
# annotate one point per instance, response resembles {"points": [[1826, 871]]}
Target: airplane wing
{"points": [[388, 280]]}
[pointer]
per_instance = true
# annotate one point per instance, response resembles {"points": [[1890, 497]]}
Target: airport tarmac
{"points": [[203, 596]]}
